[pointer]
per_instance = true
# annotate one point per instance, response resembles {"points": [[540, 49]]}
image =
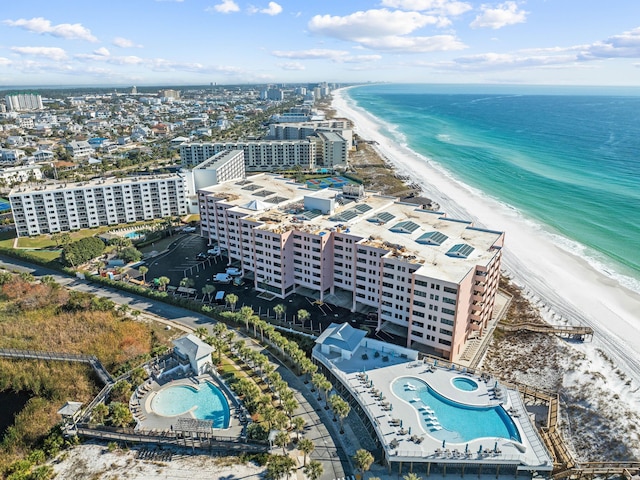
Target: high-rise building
{"points": [[17, 102], [428, 279]]}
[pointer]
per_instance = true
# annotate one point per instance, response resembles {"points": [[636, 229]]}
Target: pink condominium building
{"points": [[427, 278]]}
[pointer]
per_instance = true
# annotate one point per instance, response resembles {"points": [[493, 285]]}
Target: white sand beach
{"points": [[567, 289]]}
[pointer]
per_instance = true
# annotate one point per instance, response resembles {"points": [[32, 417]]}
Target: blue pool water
{"points": [[133, 235], [4, 205], [465, 384], [208, 400], [460, 423]]}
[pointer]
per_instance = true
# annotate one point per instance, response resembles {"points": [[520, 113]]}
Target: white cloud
{"points": [[4, 62], [41, 25], [625, 45], [227, 6], [291, 66], [439, 7], [124, 43], [506, 13], [272, 9], [370, 24], [54, 53], [102, 52], [312, 54], [436, 43]]}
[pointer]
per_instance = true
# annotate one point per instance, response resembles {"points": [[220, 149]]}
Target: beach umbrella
{"points": [[391, 407], [495, 385], [466, 448], [409, 430], [400, 423], [495, 447], [480, 449], [444, 442]]}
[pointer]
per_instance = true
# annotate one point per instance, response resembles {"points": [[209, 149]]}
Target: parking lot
{"points": [[178, 260]]}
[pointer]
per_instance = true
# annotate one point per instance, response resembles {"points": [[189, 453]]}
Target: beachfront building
{"points": [[430, 280], [63, 207], [259, 155], [429, 416]]}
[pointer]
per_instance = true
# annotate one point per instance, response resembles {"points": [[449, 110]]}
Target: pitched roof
{"points": [[192, 346], [342, 335]]}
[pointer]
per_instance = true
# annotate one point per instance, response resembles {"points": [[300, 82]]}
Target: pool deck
{"points": [[392, 417], [147, 419]]}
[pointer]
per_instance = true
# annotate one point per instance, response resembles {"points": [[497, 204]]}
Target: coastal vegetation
{"points": [[42, 316]]}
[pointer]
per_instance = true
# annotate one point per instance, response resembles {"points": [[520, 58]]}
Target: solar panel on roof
{"points": [[461, 250], [405, 227], [348, 215], [363, 208], [311, 214], [432, 238], [385, 216]]}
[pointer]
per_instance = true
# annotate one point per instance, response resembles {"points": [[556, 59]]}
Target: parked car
{"points": [[214, 251], [189, 229], [202, 256], [220, 297], [222, 278], [234, 272]]}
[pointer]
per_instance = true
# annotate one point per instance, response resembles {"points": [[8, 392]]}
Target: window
{"points": [[450, 290], [448, 312], [450, 301]]}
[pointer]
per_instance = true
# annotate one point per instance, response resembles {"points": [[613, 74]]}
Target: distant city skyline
{"points": [[195, 42]]}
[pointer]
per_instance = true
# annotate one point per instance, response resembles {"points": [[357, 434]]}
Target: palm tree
{"points": [[268, 413], [246, 313], [187, 282], [411, 476], [303, 316], [342, 409], [201, 332], [314, 470], [325, 387], [282, 440], [363, 460], [289, 406], [298, 425], [163, 282], [231, 299], [208, 290], [143, 271], [306, 446], [279, 310]]}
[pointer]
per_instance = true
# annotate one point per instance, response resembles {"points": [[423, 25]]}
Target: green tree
{"points": [[143, 271], [231, 299], [201, 332], [279, 311], [411, 476], [130, 254], [314, 470], [282, 440], [306, 446], [363, 460], [187, 282], [163, 282], [246, 313], [120, 414], [208, 290], [100, 413], [303, 316], [298, 425]]}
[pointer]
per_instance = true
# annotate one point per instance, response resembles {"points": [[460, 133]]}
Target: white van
{"points": [[222, 278], [234, 272]]}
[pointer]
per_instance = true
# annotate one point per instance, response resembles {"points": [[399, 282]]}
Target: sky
{"points": [[196, 42]]}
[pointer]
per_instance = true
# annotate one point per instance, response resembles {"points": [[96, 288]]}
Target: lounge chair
{"points": [[436, 428]]}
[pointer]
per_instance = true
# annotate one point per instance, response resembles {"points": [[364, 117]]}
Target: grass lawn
{"points": [[47, 255]]}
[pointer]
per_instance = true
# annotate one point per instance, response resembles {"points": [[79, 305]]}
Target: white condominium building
{"points": [[17, 102], [259, 155], [64, 207], [429, 279]]}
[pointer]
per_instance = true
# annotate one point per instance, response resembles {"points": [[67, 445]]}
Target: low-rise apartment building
{"points": [[429, 279], [65, 207]]}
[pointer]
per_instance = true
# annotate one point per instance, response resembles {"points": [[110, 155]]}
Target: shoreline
{"points": [[565, 286]]}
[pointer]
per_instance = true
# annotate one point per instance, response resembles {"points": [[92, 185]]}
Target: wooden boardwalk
{"points": [[579, 333], [92, 360]]}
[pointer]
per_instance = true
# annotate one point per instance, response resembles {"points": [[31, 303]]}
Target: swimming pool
{"points": [[205, 403], [454, 422], [134, 235], [464, 384]]}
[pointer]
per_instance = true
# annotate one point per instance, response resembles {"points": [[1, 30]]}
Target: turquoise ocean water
{"points": [[568, 159]]}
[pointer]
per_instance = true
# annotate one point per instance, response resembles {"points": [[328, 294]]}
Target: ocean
{"points": [[566, 159]]}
